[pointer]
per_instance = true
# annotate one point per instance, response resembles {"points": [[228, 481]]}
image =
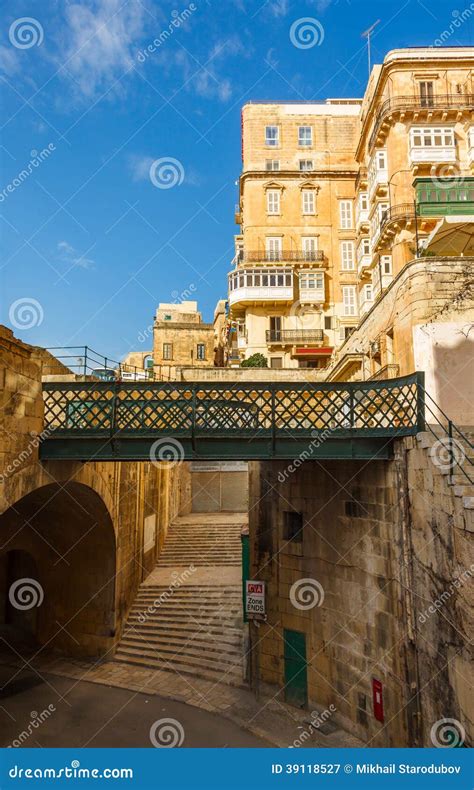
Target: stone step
{"points": [[232, 677], [228, 635], [173, 658], [206, 563], [215, 651]]}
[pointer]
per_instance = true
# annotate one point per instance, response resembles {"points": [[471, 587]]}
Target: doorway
{"points": [[296, 680]]}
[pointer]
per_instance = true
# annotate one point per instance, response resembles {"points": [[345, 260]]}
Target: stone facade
{"points": [[337, 197], [88, 532], [375, 544], [181, 338], [423, 322]]}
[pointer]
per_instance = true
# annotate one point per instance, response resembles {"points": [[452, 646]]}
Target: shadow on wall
{"points": [[446, 353], [57, 570]]}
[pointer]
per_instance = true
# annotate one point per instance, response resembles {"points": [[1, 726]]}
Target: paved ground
{"points": [[268, 721], [97, 716]]}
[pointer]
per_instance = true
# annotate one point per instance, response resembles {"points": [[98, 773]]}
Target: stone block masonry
{"points": [[352, 552]]}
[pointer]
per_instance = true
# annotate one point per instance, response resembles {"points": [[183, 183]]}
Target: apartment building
{"points": [[293, 292], [336, 197], [415, 154], [181, 338]]}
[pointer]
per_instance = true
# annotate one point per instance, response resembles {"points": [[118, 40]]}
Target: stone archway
{"points": [[67, 534]]}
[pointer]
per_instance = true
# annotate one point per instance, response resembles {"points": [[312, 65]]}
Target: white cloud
{"points": [[69, 255], [279, 8], [100, 43], [9, 62], [207, 81]]}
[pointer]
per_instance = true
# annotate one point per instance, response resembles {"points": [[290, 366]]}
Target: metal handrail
{"points": [[406, 210], [84, 361], [450, 430], [293, 335], [442, 102], [255, 256]]}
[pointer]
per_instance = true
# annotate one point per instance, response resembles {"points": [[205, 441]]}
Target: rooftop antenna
{"points": [[367, 34]]}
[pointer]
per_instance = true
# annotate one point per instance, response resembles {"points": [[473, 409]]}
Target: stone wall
{"points": [[379, 540], [93, 530]]}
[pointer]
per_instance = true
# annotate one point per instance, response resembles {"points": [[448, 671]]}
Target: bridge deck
{"points": [[179, 420]]}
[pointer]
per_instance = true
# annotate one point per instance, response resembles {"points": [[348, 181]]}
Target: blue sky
{"points": [[87, 237]]}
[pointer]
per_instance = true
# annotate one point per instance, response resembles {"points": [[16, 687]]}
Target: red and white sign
{"points": [[324, 351], [255, 598], [377, 693]]}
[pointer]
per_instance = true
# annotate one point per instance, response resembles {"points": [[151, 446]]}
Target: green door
{"points": [[296, 685]]}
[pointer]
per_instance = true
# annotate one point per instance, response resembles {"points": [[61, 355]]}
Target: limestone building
{"points": [[181, 338], [336, 197]]}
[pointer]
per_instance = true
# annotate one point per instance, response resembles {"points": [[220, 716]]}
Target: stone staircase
{"points": [[459, 481], [187, 616]]}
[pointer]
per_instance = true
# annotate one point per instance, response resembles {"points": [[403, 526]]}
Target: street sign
{"points": [[255, 599]]}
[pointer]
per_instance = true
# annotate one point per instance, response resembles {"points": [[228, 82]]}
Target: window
{"points": [[306, 164], [272, 164], [365, 246], [312, 281], [431, 137], [275, 328], [308, 197], [310, 247], [201, 351], [377, 166], [272, 136], [347, 255], [386, 262], [273, 201], [329, 322], [148, 362], [305, 136], [363, 201], [345, 214], [276, 362], [349, 300], [292, 526], [273, 248], [368, 292], [427, 94], [167, 351], [167, 317]]}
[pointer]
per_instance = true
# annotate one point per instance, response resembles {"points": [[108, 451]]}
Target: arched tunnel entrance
{"points": [[57, 570]]}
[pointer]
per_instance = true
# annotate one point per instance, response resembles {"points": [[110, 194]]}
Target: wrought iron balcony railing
{"points": [[400, 103], [294, 335], [280, 256], [402, 211]]}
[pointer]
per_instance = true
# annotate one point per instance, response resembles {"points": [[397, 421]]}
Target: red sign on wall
{"points": [[325, 351], [377, 694]]}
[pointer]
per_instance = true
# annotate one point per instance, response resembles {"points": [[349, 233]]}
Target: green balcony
{"points": [[442, 197]]}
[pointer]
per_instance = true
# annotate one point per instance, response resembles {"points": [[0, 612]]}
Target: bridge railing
{"points": [[246, 410]]}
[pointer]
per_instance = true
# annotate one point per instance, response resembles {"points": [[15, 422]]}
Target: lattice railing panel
{"points": [[240, 409]]}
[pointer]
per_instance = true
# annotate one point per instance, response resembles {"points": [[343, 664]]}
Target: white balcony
{"points": [[312, 295], [363, 262], [430, 153], [362, 217], [470, 155], [260, 285], [377, 180]]}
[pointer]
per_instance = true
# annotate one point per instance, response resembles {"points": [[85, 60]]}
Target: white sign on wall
{"points": [[255, 599]]}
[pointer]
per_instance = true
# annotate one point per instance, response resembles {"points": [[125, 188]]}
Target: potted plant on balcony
{"points": [[255, 361]]}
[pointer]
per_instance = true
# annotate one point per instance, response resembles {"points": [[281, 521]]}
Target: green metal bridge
{"points": [[109, 421]]}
